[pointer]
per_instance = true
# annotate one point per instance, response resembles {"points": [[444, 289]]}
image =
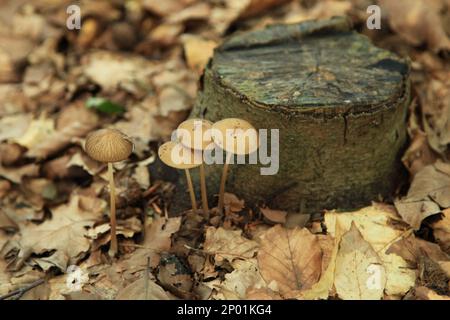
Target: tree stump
{"points": [[338, 101]]}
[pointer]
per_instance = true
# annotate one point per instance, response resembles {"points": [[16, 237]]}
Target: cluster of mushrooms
{"points": [[111, 145], [194, 137]]}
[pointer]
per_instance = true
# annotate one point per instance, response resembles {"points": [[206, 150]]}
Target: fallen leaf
{"points": [[381, 227], [228, 245], [198, 51], [412, 248], [419, 154], [158, 234], [64, 234], [441, 231], [429, 191], [233, 203], [15, 174], [359, 273], [290, 257], [74, 121], [423, 293], [38, 131], [417, 22], [114, 70], [243, 278], [143, 289], [14, 126], [275, 216]]}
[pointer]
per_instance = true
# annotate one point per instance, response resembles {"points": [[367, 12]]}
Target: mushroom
{"points": [[169, 153], [195, 134], [231, 135], [109, 145]]}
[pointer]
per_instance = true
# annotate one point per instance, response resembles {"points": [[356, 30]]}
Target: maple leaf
{"points": [[291, 258]]}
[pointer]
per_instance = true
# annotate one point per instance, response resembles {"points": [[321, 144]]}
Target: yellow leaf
{"points": [[381, 227], [359, 273]]}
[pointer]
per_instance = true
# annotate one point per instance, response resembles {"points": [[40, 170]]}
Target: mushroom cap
{"points": [[235, 135], [175, 155], [108, 145], [195, 134]]}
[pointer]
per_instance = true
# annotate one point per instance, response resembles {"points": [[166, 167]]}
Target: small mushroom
{"points": [[177, 156], [235, 136], [196, 135], [109, 145]]}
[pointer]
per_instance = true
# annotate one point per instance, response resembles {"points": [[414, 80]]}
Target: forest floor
{"points": [[135, 66]]}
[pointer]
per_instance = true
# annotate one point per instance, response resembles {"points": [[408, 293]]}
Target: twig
{"points": [[21, 291]]}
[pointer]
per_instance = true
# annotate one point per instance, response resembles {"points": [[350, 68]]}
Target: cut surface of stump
{"points": [[339, 104]]}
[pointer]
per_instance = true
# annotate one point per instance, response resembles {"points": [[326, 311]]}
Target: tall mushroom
{"points": [[195, 134], [109, 145], [235, 136], [175, 155]]}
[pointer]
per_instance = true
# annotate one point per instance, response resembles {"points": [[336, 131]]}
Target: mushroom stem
{"points": [[112, 196], [203, 190], [191, 190], [222, 182]]}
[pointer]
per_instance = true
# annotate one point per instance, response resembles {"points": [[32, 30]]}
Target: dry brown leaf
{"points": [[197, 51], [113, 70], [263, 294], [15, 174], [429, 191], [233, 203], [441, 231], [14, 126], [275, 216], [39, 130], [13, 53], [434, 95], [324, 9], [243, 278], [158, 234], [292, 258], [359, 273], [228, 245], [418, 21], [423, 293], [165, 8], [5, 186], [12, 100], [74, 122], [198, 11], [419, 154], [64, 234], [143, 289], [412, 248]]}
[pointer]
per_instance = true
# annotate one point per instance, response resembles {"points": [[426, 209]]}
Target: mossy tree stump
{"points": [[338, 101]]}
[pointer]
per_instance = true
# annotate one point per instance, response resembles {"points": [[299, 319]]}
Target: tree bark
{"points": [[339, 103]]}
